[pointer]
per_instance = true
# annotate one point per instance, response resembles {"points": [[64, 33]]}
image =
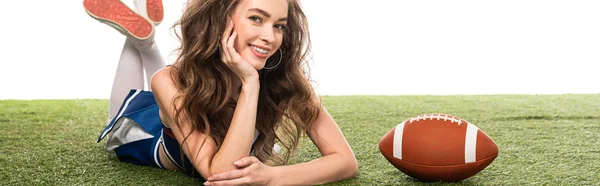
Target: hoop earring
{"points": [[280, 57]]}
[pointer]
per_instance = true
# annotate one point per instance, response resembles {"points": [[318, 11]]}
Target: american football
{"points": [[438, 147]]}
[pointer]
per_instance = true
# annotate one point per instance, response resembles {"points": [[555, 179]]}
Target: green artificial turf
{"points": [[543, 140]]}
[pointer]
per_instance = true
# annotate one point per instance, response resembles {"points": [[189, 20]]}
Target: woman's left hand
{"points": [[250, 171]]}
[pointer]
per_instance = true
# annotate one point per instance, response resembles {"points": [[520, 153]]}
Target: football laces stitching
{"points": [[445, 117]]}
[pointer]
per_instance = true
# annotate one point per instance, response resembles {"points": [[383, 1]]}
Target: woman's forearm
{"points": [[238, 140], [327, 169]]}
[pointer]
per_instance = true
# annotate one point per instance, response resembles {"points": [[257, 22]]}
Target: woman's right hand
{"points": [[243, 69]]}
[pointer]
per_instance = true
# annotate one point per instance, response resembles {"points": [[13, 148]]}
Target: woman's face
{"points": [[259, 25]]}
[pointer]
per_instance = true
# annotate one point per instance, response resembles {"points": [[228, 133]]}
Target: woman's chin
{"points": [[258, 65]]}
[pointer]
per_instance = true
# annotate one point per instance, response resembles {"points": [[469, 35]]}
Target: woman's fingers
{"points": [[238, 181], [246, 161], [233, 55], [225, 57], [229, 175], [248, 173], [232, 58]]}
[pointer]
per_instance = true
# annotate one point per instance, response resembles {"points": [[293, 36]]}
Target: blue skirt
{"points": [[137, 130]]}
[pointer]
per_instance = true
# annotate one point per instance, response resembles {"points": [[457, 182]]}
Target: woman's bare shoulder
{"points": [[162, 80], [164, 90]]}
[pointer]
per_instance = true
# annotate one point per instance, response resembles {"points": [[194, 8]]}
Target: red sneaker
{"points": [[119, 16], [151, 9]]}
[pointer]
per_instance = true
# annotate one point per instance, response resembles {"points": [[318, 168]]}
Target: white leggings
{"points": [[137, 56]]}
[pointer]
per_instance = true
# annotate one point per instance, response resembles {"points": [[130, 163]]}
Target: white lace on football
{"points": [[445, 117]]}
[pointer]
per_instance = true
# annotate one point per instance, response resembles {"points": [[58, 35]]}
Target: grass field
{"points": [[543, 140]]}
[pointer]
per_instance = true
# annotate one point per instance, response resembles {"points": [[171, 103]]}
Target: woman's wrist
{"points": [[250, 84], [275, 175]]}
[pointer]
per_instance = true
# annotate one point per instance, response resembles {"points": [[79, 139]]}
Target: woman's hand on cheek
{"points": [[250, 171], [245, 71]]}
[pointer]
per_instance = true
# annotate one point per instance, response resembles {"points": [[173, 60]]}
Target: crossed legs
{"points": [[140, 53]]}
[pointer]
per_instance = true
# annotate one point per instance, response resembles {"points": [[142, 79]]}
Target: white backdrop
{"points": [[54, 50]]}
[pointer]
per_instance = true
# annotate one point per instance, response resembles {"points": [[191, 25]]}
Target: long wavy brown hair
{"points": [[286, 106]]}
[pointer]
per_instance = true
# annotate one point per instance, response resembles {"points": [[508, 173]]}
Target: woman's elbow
{"points": [[351, 170], [217, 168], [210, 171], [354, 170]]}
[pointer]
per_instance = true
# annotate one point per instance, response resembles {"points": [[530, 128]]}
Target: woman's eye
{"points": [[280, 26], [255, 19]]}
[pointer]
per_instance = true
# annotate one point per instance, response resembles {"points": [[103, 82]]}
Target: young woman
{"points": [[236, 89]]}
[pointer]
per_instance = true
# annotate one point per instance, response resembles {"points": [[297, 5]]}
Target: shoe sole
{"points": [[155, 11], [118, 14]]}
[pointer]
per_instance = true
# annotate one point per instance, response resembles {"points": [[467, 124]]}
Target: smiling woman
{"points": [[236, 90], [253, 23]]}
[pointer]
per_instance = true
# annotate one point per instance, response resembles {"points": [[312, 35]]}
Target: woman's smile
{"points": [[260, 52]]}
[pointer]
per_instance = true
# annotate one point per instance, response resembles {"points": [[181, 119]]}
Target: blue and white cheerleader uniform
{"points": [[138, 131]]}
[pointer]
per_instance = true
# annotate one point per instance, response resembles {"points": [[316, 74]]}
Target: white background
{"points": [[54, 50]]}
